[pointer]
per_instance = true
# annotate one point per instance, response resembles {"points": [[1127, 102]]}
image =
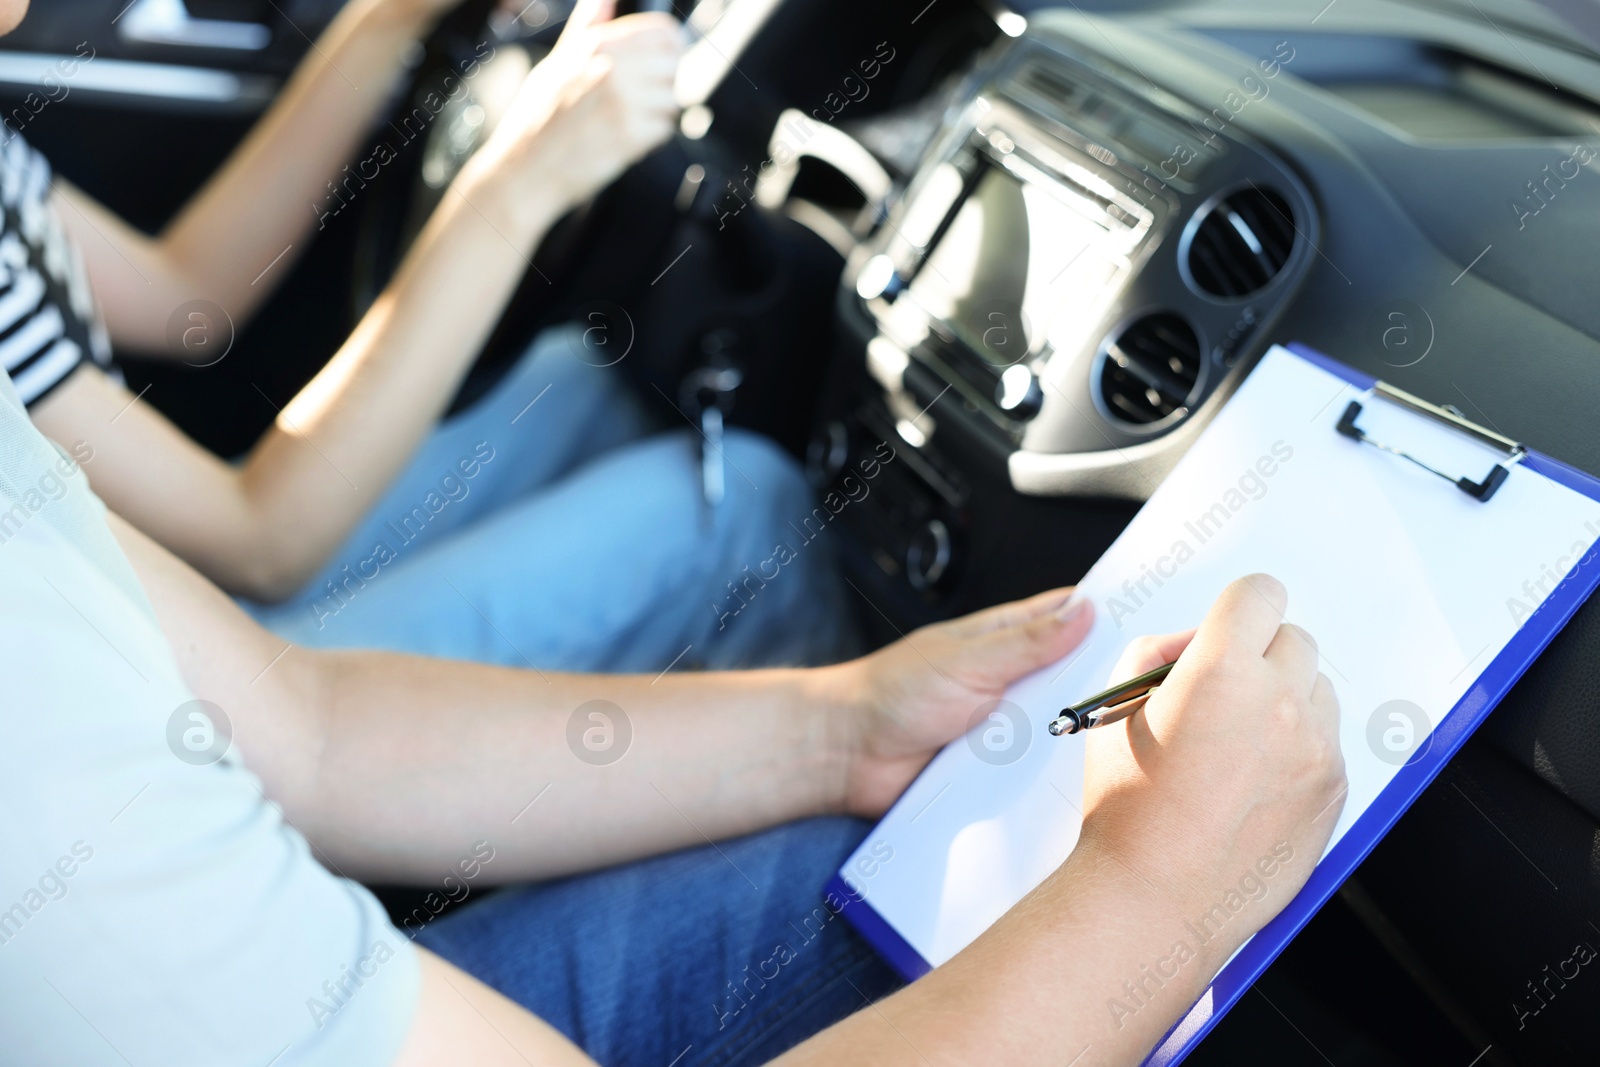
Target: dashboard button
{"points": [[1018, 393], [827, 453], [928, 555], [879, 277]]}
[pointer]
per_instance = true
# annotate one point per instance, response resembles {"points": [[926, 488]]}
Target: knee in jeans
{"points": [[572, 365], [763, 478], [777, 512], [759, 454]]}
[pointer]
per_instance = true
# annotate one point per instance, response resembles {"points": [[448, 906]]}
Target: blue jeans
{"points": [[724, 955], [545, 527]]}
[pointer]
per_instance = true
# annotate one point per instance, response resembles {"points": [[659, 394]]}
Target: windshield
{"points": [[1564, 23], [1570, 24]]}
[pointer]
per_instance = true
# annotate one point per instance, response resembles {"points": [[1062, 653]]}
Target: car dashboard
{"points": [[1113, 218], [1024, 267]]}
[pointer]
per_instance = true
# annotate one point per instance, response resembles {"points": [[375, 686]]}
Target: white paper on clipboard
{"points": [[1409, 585]]}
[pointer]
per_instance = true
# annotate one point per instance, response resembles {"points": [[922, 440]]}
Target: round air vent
{"points": [[1240, 242], [1150, 368]]}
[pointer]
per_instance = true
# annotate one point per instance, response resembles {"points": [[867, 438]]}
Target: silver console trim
{"points": [[1130, 472], [133, 78], [168, 22]]}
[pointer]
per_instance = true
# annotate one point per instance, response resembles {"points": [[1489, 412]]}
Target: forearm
{"points": [[559, 773], [262, 204], [262, 528], [579, 118], [1084, 971], [335, 447], [395, 765]]}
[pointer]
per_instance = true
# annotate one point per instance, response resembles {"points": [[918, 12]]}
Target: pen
{"points": [[1111, 705]]}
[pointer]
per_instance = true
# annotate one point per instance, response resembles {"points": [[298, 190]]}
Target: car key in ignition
{"points": [[707, 398]]}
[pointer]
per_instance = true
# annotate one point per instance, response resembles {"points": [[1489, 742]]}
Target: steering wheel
{"points": [[755, 295], [468, 71]]}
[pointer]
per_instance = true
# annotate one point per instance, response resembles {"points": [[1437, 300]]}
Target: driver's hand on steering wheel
{"points": [[599, 102]]}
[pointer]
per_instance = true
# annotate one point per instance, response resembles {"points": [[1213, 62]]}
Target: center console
{"points": [[1052, 307]]}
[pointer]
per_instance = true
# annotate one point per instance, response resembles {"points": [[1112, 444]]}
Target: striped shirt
{"points": [[49, 325]]}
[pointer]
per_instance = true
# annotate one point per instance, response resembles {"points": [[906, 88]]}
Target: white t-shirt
{"points": [[155, 908]]}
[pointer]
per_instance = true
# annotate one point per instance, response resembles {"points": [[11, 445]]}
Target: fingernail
{"points": [[1048, 605], [1072, 609]]}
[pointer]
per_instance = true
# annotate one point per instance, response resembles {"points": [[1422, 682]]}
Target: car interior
{"points": [[1035, 248]]}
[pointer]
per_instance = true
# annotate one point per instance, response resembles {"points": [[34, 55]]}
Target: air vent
{"points": [[1241, 242], [1150, 369], [1055, 85]]}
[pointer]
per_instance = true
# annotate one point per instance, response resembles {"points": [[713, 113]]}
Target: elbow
{"points": [[188, 269], [273, 551], [272, 575]]}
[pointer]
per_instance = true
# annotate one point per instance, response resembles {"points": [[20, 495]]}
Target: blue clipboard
{"points": [[1340, 862]]}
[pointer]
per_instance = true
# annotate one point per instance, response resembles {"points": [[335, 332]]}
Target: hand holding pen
{"points": [[1110, 705]]}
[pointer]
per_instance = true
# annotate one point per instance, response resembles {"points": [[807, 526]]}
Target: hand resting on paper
{"points": [[920, 693]]}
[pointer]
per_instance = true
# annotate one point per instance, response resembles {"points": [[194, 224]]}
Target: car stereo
{"points": [[1013, 245]]}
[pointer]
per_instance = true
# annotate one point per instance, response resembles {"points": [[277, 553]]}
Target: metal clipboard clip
{"points": [[1450, 416]]}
